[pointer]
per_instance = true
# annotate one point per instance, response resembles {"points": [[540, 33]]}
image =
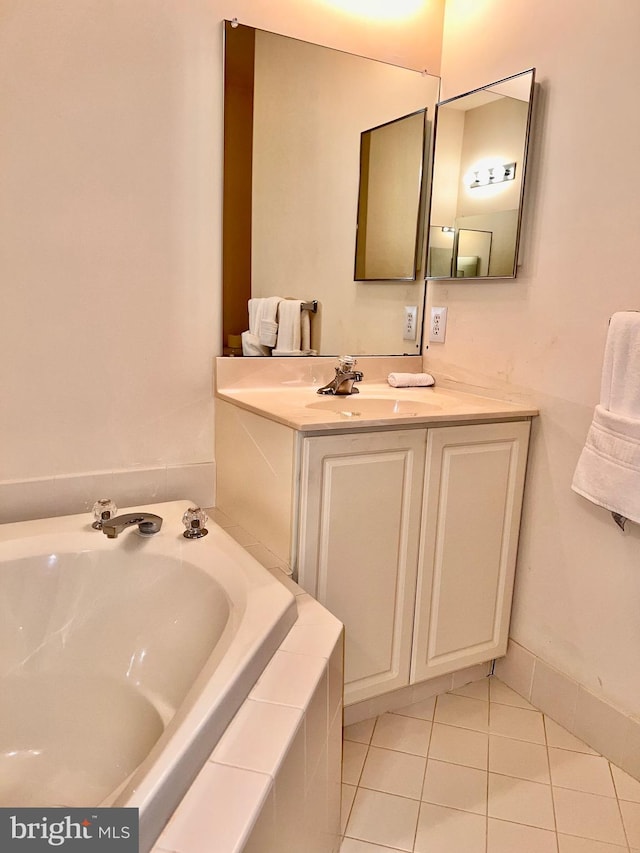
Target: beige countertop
{"points": [[377, 405]]}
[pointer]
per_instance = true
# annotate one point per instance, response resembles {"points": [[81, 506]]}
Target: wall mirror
{"points": [[390, 199], [479, 167], [294, 115]]}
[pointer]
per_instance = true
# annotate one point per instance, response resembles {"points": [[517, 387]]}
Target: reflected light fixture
{"points": [[447, 229], [489, 175]]}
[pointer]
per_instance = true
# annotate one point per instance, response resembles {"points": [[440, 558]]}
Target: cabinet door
{"points": [[474, 480], [359, 525]]}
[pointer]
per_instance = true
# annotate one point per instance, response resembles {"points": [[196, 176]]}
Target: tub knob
{"points": [[194, 520], [103, 510]]}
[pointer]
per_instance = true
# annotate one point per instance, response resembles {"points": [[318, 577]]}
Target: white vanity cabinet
{"points": [[409, 537]]}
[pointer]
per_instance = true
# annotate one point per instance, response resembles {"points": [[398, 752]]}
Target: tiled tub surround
{"points": [[591, 718], [272, 784], [66, 494], [481, 770]]}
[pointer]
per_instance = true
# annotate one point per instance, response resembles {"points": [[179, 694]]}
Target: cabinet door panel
{"points": [[360, 515], [473, 496]]}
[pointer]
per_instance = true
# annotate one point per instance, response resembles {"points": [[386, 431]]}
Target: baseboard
{"points": [[602, 726]]}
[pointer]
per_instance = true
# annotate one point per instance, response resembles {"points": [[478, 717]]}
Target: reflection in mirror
{"points": [[294, 113], [479, 168], [390, 199]]}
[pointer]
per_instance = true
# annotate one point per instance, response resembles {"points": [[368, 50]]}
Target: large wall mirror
{"points": [[294, 115], [479, 166]]}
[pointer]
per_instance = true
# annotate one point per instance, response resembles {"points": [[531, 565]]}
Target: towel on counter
{"points": [[608, 470], [294, 329], [410, 380]]}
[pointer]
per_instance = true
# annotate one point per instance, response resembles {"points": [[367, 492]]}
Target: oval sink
{"points": [[373, 407]]}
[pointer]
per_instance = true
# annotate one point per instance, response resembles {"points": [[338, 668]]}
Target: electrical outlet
{"points": [[410, 322], [438, 325]]}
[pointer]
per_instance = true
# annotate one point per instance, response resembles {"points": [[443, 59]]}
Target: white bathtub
{"points": [[122, 661]]}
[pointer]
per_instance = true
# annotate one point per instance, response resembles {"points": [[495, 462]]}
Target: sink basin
{"points": [[373, 407]]}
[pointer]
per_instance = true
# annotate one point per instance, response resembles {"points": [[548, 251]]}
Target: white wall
{"points": [[111, 150], [577, 602]]}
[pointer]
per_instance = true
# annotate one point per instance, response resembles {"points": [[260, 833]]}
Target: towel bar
{"points": [[310, 306]]}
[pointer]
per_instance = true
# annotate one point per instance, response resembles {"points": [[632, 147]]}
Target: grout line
{"points": [[553, 799]]}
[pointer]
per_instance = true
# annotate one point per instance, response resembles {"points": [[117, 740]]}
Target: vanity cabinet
{"points": [[409, 537], [408, 534]]}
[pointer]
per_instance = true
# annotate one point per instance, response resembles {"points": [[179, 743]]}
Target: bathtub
{"points": [[122, 661]]}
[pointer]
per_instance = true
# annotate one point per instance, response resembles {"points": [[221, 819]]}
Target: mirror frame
{"points": [[525, 154]]}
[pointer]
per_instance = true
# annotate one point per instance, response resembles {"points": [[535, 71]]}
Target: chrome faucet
{"points": [[147, 522], [342, 382]]}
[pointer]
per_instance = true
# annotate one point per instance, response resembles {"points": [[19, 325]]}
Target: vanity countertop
{"points": [[376, 405]]}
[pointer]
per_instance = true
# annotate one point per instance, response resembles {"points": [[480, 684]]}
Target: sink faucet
{"points": [[147, 522], [342, 382]]}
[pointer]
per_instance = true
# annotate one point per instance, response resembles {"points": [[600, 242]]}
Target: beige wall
{"points": [[111, 151], [577, 602]]}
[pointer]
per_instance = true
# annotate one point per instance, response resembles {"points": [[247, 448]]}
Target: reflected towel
{"points": [[608, 470], [294, 329], [410, 380], [268, 327]]}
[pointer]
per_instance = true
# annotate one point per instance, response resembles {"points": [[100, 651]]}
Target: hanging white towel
{"points": [[251, 339], [294, 329], [608, 470], [268, 326]]}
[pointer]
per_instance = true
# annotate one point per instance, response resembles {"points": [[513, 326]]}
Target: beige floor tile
{"points": [[560, 737], [462, 711], [348, 796], [589, 773], [519, 723], [499, 692], [352, 845], [443, 830], [405, 734], [383, 819], [459, 746], [421, 710], [360, 732], [627, 787], [455, 786], [520, 801], [474, 690], [353, 756], [518, 758], [504, 837], [588, 816], [573, 844], [631, 820], [394, 772]]}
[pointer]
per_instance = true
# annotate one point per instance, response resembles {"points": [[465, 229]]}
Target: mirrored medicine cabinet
{"points": [[307, 132], [479, 166]]}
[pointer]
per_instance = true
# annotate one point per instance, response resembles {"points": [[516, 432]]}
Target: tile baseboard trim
{"points": [[609, 730], [67, 494], [359, 711]]}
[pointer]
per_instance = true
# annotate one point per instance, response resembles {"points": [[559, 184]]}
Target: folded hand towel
{"points": [[410, 380], [608, 470]]}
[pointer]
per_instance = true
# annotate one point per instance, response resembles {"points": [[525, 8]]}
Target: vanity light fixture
{"points": [[491, 175]]}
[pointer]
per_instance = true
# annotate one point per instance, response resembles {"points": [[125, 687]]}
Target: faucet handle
{"points": [[194, 520], [103, 510], [347, 362]]}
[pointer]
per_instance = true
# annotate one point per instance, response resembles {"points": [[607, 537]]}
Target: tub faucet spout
{"points": [[147, 523]]}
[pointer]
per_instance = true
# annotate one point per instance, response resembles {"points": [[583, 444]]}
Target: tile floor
{"points": [[480, 770]]}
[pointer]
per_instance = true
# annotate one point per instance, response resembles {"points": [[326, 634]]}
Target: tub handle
{"points": [[103, 510], [194, 520]]}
